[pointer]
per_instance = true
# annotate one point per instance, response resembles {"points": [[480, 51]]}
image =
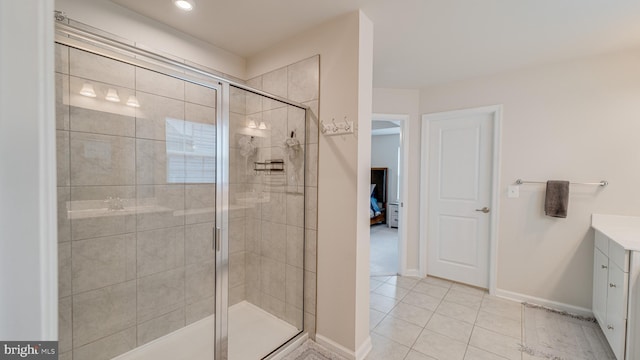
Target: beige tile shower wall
{"points": [[278, 261], [144, 267], [237, 195]]}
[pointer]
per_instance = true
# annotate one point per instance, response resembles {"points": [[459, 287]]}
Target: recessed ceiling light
{"points": [[186, 5]]}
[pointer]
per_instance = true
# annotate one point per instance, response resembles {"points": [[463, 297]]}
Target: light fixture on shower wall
{"points": [[252, 125], [133, 101], [112, 95], [87, 90], [262, 126], [186, 5]]}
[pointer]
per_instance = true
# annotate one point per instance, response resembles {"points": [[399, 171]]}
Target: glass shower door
{"points": [[181, 209], [265, 238], [136, 154]]}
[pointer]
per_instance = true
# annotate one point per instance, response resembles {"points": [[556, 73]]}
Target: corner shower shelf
{"points": [[269, 166]]}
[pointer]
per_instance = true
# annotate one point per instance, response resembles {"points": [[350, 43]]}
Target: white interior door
{"points": [[459, 196]]}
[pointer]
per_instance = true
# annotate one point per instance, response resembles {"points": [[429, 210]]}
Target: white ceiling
{"points": [[422, 42], [384, 127]]}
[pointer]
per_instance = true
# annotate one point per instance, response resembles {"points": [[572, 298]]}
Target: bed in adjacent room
{"points": [[378, 198]]}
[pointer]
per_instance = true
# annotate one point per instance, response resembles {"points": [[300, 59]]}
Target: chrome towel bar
{"points": [[602, 183]]}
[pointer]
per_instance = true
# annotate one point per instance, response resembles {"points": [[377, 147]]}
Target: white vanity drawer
{"points": [[615, 329], [602, 242], [619, 255], [614, 251]]}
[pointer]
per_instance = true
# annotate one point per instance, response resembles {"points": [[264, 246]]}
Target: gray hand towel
{"points": [[556, 201]]}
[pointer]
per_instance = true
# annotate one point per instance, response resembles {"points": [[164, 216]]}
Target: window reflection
{"points": [[190, 151]]}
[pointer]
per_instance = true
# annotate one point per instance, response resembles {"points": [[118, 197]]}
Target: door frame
{"points": [[427, 119], [404, 185]]}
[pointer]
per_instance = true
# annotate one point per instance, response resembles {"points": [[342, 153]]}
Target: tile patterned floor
{"points": [[427, 319]]}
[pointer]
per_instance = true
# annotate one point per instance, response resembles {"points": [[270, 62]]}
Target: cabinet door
{"points": [[600, 285], [602, 242], [616, 310]]}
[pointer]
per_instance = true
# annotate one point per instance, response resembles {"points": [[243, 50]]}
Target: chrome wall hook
{"points": [[341, 128]]}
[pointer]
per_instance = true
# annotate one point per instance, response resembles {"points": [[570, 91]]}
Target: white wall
{"points": [[344, 45], [28, 242], [365, 104], [384, 153], [120, 21], [578, 121], [407, 102]]}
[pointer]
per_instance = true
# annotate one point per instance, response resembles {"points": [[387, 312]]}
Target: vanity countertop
{"points": [[625, 230]]}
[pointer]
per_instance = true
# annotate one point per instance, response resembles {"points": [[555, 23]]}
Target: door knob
{"points": [[484, 209]]}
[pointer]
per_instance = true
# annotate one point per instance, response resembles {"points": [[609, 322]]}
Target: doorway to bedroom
{"points": [[385, 196]]}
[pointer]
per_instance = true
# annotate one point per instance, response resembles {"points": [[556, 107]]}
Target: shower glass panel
{"points": [[266, 224], [136, 157]]}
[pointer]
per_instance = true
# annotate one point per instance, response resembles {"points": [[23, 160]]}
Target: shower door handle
{"points": [[216, 239]]}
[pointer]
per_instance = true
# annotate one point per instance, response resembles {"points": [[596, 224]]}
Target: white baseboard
{"points": [[364, 349], [576, 310], [335, 347], [412, 272], [359, 354]]}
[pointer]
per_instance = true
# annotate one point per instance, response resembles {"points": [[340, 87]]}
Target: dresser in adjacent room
{"points": [[393, 217]]}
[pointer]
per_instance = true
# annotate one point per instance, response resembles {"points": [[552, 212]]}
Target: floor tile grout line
{"points": [[388, 314], [443, 299], [485, 350]]}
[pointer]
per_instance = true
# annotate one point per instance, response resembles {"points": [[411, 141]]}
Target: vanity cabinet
{"points": [[610, 291], [616, 283], [600, 285]]}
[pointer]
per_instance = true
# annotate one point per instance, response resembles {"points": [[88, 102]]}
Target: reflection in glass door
{"points": [[265, 238], [180, 214], [136, 154]]}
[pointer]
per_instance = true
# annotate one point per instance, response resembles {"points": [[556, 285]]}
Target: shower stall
{"points": [[181, 207]]}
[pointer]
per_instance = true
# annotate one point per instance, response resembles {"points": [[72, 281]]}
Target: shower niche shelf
{"points": [[269, 166]]}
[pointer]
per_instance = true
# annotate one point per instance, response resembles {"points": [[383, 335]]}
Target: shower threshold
{"points": [[253, 333]]}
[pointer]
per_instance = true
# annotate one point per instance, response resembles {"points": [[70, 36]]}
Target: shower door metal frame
{"points": [[87, 40], [222, 274], [221, 233], [96, 44]]}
